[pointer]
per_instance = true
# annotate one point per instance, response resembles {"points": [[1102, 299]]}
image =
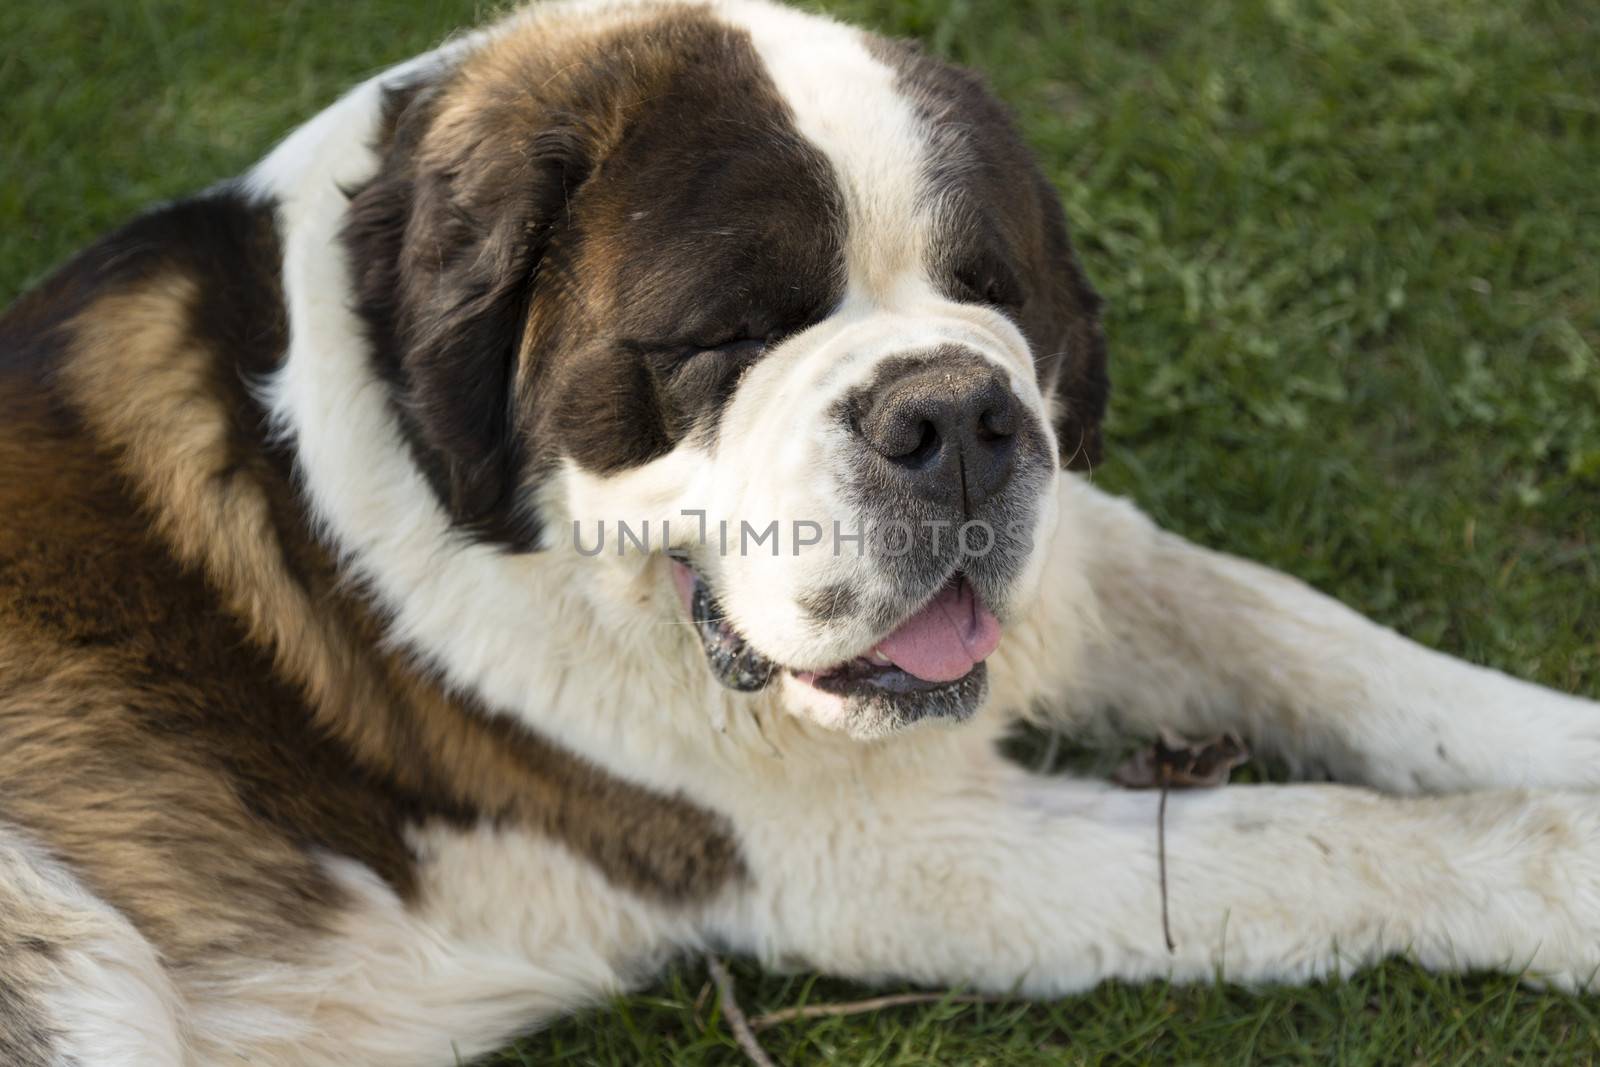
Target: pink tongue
{"points": [[946, 639]]}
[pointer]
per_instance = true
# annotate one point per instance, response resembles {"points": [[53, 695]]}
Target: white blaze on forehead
{"points": [[846, 103]]}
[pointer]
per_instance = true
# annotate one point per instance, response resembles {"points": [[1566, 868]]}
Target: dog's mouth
{"points": [[932, 663]]}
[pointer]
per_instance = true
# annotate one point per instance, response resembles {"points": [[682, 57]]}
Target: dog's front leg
{"points": [[1202, 641], [1000, 881]]}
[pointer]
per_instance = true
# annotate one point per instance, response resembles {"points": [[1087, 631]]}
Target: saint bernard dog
{"points": [[603, 490]]}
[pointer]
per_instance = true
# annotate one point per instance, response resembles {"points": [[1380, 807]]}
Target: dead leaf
{"points": [[1174, 762]]}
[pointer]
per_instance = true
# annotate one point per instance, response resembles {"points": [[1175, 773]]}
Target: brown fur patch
{"points": [[27, 1036], [52, 937], [191, 702], [546, 246]]}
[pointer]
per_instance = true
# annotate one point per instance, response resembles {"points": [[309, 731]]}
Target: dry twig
{"points": [[737, 1022], [857, 1007]]}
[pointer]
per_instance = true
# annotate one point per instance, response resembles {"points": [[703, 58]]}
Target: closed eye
{"points": [[989, 282], [673, 359], [743, 344], [742, 348], [735, 347]]}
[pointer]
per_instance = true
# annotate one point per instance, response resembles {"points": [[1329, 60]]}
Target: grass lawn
{"points": [[1352, 256]]}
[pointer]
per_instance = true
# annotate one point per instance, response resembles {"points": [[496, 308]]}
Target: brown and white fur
{"points": [[321, 744]]}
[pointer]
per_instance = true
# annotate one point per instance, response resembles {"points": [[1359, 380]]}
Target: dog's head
{"points": [[786, 302]]}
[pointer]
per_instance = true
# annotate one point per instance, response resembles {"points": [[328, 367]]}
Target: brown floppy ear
{"points": [[445, 245], [1069, 340]]}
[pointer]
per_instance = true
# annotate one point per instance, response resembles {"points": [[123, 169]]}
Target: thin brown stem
{"points": [[1161, 853]]}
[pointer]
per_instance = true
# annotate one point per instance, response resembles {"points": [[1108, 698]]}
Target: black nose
{"points": [[948, 430]]}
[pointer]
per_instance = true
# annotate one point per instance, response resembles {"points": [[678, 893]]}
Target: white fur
{"points": [[923, 855], [845, 103], [972, 872]]}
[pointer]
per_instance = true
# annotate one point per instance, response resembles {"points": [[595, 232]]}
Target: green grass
{"points": [[1352, 255]]}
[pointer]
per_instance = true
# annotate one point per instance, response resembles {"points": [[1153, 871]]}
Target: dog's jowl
{"points": [[602, 490]]}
